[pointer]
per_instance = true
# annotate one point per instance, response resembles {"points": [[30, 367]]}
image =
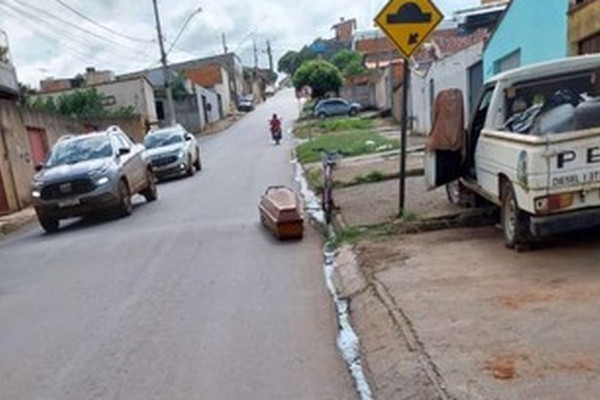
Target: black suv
{"points": [[91, 173]]}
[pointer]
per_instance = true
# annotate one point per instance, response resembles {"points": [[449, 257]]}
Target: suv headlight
{"points": [[36, 193], [181, 154], [102, 181]]}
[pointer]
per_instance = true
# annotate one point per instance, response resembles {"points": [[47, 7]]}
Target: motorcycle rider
{"points": [[275, 123]]}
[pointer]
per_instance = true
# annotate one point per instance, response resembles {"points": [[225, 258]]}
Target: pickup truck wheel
{"points": [[125, 206], [515, 222], [150, 193], [50, 225]]}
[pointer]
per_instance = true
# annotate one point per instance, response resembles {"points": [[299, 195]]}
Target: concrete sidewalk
{"points": [[15, 221]]}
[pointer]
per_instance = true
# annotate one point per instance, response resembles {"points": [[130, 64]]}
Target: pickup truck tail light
{"points": [[554, 202]]}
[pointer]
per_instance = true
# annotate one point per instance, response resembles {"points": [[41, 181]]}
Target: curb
{"points": [[14, 222]]}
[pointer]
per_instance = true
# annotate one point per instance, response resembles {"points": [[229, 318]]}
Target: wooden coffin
{"points": [[281, 212]]}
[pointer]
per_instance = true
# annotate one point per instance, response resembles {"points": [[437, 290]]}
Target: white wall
{"points": [[212, 99], [451, 72], [137, 93]]}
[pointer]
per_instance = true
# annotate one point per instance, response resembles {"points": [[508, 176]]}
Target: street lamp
{"points": [[163, 59]]}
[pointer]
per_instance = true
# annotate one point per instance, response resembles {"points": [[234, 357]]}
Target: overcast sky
{"points": [[49, 40]]}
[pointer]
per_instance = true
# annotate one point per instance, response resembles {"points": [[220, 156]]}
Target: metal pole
{"points": [[404, 127], [167, 76]]}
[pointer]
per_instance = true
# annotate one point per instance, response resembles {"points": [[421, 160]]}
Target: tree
{"points": [[320, 75], [349, 62], [87, 103], [292, 60], [178, 88], [287, 63], [25, 92]]}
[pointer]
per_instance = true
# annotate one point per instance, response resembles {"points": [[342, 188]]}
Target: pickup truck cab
{"points": [[532, 148]]}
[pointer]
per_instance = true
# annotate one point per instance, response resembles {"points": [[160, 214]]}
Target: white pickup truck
{"points": [[532, 148]]}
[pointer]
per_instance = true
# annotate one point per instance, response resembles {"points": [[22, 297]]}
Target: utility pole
{"points": [[167, 76], [255, 56], [270, 54], [225, 49]]}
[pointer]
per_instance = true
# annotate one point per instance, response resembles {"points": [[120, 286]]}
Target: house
{"points": [[344, 30], [528, 32], [213, 77], [136, 92], [451, 59], [584, 27]]}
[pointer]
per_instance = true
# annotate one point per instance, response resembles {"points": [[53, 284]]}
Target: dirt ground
{"points": [[377, 203], [454, 314]]}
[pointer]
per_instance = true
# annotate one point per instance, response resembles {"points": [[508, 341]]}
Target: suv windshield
{"points": [[81, 149], [163, 139]]}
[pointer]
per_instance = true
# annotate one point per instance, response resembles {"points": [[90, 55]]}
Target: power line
{"points": [[52, 36], [62, 21], [187, 21], [99, 25]]}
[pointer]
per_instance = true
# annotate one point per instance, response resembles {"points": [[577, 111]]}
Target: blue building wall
{"points": [[531, 31]]}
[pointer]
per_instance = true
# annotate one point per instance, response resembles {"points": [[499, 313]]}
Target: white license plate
{"points": [[69, 203]]}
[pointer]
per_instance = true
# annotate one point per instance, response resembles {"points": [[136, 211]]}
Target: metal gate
{"points": [[38, 144]]}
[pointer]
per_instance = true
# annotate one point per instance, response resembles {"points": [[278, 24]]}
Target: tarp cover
{"points": [[448, 132]]}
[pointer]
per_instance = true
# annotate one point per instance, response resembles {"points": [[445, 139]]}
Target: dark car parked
{"points": [[90, 173], [336, 106]]}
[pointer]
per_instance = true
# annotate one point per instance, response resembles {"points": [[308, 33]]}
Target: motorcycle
{"points": [[276, 132]]}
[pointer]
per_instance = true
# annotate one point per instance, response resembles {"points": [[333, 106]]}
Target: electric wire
{"points": [[99, 25], [23, 9], [53, 37]]}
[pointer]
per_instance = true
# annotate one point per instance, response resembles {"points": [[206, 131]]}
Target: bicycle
{"points": [[329, 160]]}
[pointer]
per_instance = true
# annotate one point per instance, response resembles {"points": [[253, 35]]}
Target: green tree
{"points": [[349, 62], [88, 103], [178, 88], [287, 63], [25, 92], [320, 75]]}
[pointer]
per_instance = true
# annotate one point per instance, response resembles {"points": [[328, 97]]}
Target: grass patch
{"points": [[371, 177], [409, 216], [320, 127], [351, 144]]}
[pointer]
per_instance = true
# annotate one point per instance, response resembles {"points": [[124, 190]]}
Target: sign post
{"points": [[407, 23]]}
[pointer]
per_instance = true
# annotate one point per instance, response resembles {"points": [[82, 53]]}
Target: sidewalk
{"points": [[13, 222]]}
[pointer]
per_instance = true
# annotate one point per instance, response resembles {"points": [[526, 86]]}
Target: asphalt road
{"points": [[189, 298]]}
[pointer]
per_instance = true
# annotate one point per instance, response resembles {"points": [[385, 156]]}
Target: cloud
{"points": [[40, 51]]}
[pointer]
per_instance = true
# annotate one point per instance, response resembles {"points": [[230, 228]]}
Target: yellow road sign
{"points": [[408, 23]]}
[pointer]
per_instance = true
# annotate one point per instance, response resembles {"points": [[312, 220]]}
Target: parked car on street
{"points": [[336, 106], [246, 103], [173, 152], [91, 173]]}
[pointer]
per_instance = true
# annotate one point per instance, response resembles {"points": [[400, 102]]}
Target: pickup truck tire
{"points": [[515, 222]]}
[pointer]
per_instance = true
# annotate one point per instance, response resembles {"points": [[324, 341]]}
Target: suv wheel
{"points": [[125, 206], [190, 166], [150, 193], [50, 225], [198, 163]]}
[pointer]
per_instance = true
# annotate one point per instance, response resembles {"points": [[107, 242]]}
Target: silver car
{"points": [[173, 152], [91, 173]]}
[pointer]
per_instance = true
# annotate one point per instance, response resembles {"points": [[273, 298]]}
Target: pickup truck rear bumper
{"points": [[560, 223]]}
